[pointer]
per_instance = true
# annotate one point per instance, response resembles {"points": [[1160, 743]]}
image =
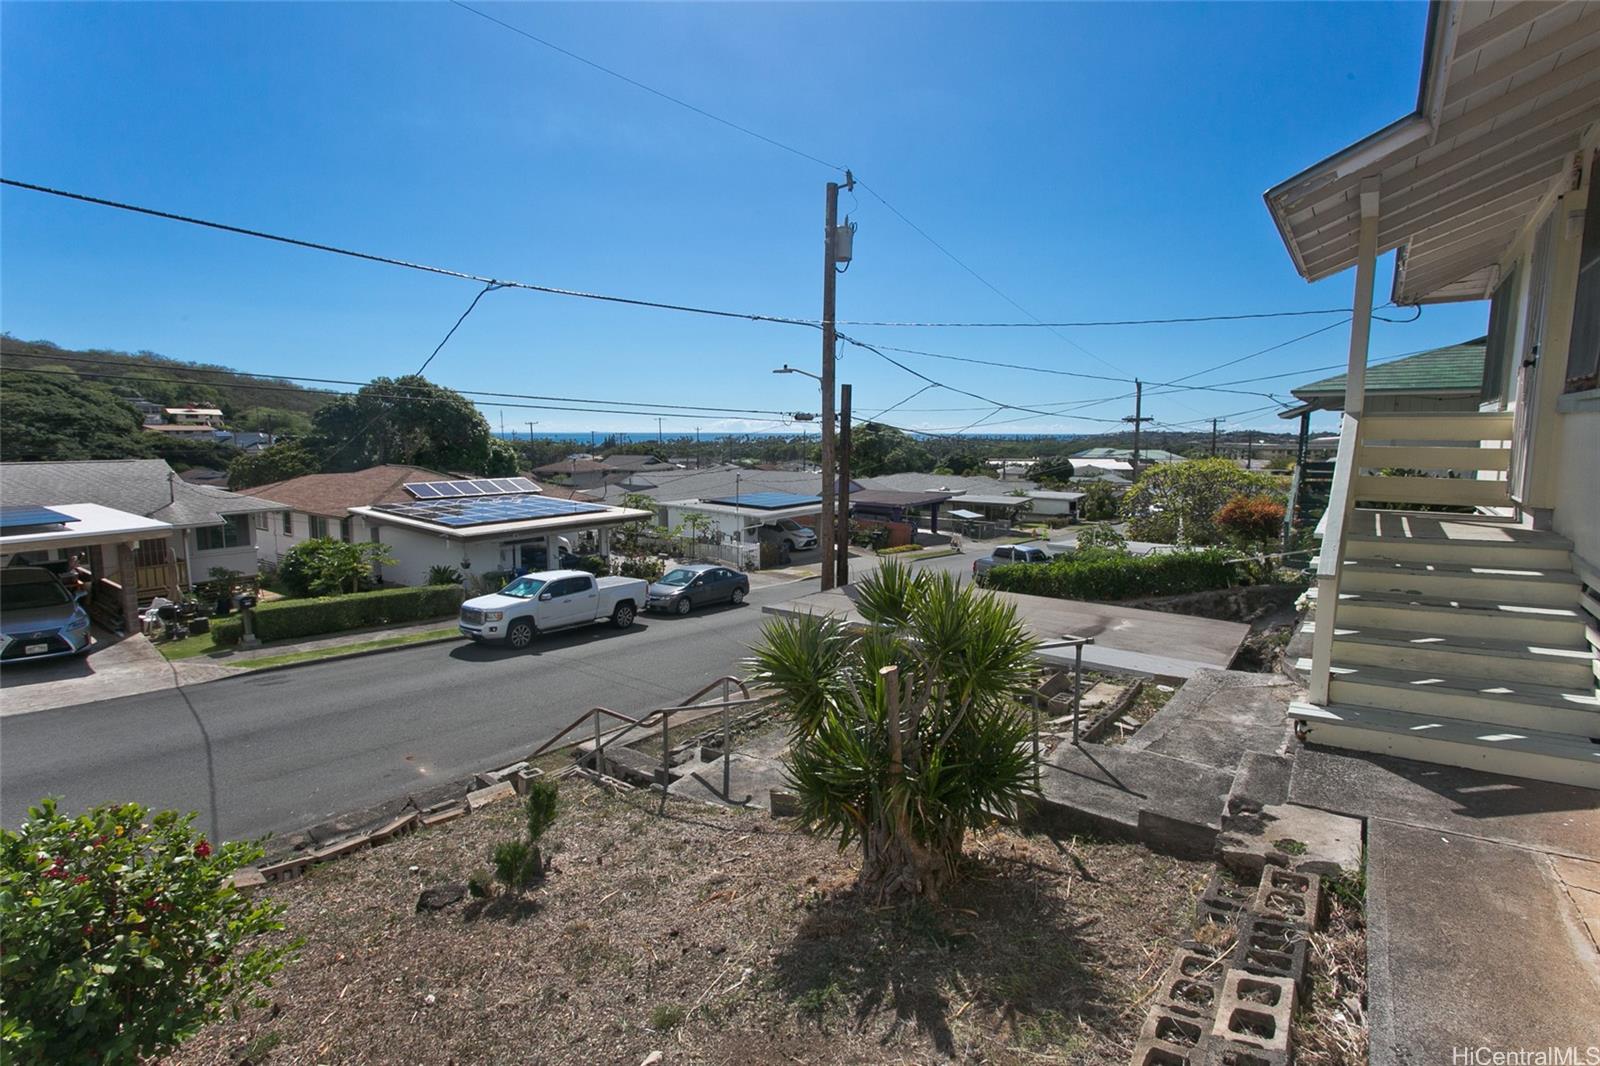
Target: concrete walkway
{"points": [[1483, 905], [115, 666]]}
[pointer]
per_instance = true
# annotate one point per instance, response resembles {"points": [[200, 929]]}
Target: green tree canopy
{"points": [[878, 449], [59, 418], [403, 420], [280, 462], [1177, 503]]}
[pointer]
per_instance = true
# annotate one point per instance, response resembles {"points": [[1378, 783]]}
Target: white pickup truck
{"points": [[551, 599]]}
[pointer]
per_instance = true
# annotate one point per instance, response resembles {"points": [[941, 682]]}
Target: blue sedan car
{"points": [[39, 618]]}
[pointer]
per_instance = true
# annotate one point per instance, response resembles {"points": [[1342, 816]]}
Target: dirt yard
{"points": [[713, 936]]}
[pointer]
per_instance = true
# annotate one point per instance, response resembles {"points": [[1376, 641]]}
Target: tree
{"points": [[1177, 503], [59, 418], [406, 420], [1056, 471], [1254, 523], [124, 934], [905, 735], [878, 449], [1100, 501], [278, 462], [326, 567]]}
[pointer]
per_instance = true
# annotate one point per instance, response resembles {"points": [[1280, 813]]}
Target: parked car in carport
{"points": [[790, 534], [39, 618], [683, 588]]}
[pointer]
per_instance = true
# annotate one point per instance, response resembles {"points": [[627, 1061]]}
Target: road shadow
{"points": [[1000, 939], [544, 643]]}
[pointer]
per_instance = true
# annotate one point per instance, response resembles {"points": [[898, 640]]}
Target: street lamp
{"points": [[787, 369]]}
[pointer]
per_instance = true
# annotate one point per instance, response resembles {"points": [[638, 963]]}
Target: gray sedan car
{"points": [[39, 618], [683, 588]]}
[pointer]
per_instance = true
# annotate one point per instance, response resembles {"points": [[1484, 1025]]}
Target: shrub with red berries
{"points": [[123, 934]]}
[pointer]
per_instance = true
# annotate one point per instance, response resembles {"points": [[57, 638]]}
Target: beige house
{"points": [[1468, 636]]}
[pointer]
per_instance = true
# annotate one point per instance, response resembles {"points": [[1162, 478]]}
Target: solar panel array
{"points": [[488, 509], [489, 486], [22, 517], [768, 501]]}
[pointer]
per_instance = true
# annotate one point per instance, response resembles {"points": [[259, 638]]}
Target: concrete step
{"points": [[1495, 661], [1534, 586], [1516, 704], [1467, 618], [1528, 753]]}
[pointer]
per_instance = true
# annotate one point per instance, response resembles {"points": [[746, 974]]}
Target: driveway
{"points": [[115, 666]]}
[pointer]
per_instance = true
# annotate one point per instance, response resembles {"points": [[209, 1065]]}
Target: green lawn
{"points": [[189, 647]]}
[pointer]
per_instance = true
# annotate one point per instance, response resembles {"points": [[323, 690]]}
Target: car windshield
{"points": [[679, 576], [788, 524], [524, 588], [34, 592]]}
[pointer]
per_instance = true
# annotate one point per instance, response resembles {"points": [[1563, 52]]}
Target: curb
{"points": [[342, 655]]}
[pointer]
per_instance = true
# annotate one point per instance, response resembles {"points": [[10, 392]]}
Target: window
{"points": [[1497, 358], [261, 521], [288, 523], [1583, 354], [215, 538], [344, 530], [319, 526]]}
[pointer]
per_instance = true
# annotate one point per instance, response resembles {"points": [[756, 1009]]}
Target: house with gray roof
{"points": [[212, 528], [1450, 378]]}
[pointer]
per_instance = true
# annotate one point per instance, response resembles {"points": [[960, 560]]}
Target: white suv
{"points": [[792, 534]]}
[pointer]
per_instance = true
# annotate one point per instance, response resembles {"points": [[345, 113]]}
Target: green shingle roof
{"points": [[1455, 368]]}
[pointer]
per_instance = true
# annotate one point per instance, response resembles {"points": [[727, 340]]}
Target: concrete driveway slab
{"points": [[115, 667]]}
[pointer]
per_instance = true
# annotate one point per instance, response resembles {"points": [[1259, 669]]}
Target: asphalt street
{"points": [[281, 750]]}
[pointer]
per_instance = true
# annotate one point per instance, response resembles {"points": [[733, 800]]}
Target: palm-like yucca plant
{"points": [[908, 731]]}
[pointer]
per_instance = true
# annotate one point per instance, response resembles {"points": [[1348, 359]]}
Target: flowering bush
{"points": [[124, 934]]}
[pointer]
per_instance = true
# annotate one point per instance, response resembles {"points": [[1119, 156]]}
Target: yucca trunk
{"points": [[894, 864]]}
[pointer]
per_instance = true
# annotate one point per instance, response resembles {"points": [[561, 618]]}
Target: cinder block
{"points": [[1161, 1053], [1268, 947], [484, 796], [1290, 897], [1219, 911], [1175, 1026], [1255, 1010], [1223, 887], [1216, 1051]]}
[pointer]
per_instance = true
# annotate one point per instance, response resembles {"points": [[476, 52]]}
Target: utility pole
{"points": [[1213, 438], [842, 565], [530, 431], [829, 279], [658, 430], [1138, 421]]}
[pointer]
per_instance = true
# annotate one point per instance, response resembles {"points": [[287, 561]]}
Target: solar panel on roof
{"points": [[495, 486], [768, 501], [20, 517], [489, 509]]}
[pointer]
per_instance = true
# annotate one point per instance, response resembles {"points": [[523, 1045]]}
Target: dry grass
{"points": [[714, 936], [1333, 1028]]}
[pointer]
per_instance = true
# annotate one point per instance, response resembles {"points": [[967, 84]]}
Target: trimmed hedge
{"points": [[1108, 576], [290, 619], [900, 549]]}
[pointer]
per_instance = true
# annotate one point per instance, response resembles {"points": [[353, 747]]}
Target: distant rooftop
{"points": [[1455, 368]]}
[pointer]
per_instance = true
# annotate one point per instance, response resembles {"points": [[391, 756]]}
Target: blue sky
{"points": [[1093, 161]]}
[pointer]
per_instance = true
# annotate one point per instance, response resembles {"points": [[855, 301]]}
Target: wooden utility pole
{"points": [[1213, 438], [842, 562], [1138, 421], [829, 474]]}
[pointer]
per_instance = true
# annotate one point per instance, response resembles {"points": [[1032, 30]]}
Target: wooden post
{"points": [[1355, 381], [129, 576], [842, 561]]}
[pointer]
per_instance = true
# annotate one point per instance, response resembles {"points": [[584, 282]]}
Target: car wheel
{"points": [[622, 617], [520, 635], [683, 606], [789, 544], [737, 598]]}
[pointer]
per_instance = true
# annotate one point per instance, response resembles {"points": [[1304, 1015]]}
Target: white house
{"points": [[211, 528], [477, 526]]}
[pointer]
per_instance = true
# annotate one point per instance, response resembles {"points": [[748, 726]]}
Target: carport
{"points": [[46, 535], [892, 506]]}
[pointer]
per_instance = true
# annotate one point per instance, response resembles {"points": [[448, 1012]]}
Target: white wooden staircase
{"points": [[1445, 637]]}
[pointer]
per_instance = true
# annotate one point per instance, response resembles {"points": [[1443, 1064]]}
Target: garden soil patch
{"points": [[712, 936]]}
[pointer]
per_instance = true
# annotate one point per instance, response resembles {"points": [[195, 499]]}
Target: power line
{"points": [[398, 396], [1102, 322], [413, 391], [391, 261], [702, 112]]}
